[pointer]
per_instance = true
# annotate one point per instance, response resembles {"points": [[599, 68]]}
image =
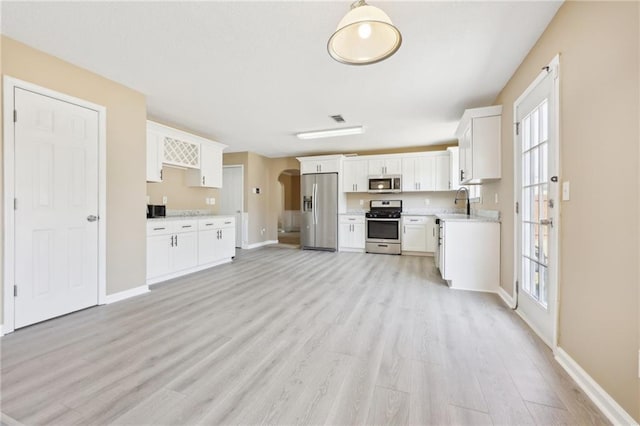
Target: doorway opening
{"points": [[289, 211]]}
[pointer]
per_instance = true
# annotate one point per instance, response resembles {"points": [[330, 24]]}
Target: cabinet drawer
{"points": [[187, 225], [414, 220], [351, 219], [216, 223], [158, 227]]}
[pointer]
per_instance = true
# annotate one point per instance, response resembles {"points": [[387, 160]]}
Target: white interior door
{"points": [[537, 196], [231, 197], [56, 191]]}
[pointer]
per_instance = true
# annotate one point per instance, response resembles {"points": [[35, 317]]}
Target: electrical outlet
{"points": [[164, 199], [262, 231], [212, 201], [427, 201], [362, 202], [496, 198]]}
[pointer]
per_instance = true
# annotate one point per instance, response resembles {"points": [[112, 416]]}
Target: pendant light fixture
{"points": [[364, 36]]}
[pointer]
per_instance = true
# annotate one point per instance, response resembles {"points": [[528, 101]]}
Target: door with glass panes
{"points": [[537, 189]]}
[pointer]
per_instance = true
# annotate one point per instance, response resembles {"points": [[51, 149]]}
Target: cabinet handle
{"points": [[158, 229], [203, 180], [172, 241], [176, 241], [160, 174], [433, 231], [227, 223], [461, 175], [208, 224], [186, 226], [404, 229]]}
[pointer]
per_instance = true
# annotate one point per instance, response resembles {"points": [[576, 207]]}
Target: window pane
{"points": [[526, 168], [544, 163], [527, 232], [543, 201], [526, 275], [535, 171], [535, 289], [535, 229], [535, 129], [527, 198], [544, 121], [544, 279], [526, 133]]}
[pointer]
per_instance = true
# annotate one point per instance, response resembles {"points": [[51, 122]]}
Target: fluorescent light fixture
{"points": [[343, 131]]}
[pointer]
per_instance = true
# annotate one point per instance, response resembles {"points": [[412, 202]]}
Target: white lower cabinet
{"points": [[470, 255], [351, 233], [216, 240], [179, 247], [418, 234]]}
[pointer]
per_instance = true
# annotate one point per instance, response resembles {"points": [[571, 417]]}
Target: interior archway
{"points": [[289, 207]]}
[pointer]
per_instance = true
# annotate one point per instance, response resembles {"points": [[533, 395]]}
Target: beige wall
{"points": [[126, 154], [291, 185], [598, 44], [179, 195]]}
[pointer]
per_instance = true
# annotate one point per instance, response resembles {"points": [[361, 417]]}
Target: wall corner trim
{"points": [[122, 295], [594, 391], [260, 244], [508, 300], [1, 332]]}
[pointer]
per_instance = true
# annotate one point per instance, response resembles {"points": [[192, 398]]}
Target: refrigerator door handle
{"points": [[315, 204]]}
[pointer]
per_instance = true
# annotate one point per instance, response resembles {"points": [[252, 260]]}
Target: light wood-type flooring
{"points": [[287, 337]]}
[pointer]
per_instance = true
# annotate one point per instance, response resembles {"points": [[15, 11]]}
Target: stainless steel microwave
{"points": [[385, 184]]}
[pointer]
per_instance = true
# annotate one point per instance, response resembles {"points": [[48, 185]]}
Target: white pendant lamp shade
{"points": [[364, 36]]}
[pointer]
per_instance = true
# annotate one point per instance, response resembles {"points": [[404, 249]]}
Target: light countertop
{"points": [[187, 217], [459, 217]]}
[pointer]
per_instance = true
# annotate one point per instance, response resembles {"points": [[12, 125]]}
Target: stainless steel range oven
{"points": [[383, 227]]}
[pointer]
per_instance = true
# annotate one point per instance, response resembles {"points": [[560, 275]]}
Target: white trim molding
{"points": [[260, 244], [9, 86], [508, 300], [126, 294], [599, 396]]}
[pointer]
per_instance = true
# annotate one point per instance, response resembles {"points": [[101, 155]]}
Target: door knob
{"points": [[92, 218], [546, 222]]}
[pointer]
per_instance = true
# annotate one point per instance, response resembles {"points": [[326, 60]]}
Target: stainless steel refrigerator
{"points": [[319, 198]]}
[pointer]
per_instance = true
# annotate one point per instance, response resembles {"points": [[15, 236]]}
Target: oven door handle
{"points": [[384, 220]]}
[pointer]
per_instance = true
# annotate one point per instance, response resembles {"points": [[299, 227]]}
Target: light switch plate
{"points": [[212, 201], [362, 202], [496, 198], [427, 201], [164, 199], [566, 191]]}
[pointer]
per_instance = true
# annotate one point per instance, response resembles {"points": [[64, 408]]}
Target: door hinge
{"points": [[15, 291], [15, 116], [15, 204], [517, 129], [517, 207]]}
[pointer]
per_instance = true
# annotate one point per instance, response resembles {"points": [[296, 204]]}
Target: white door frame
{"points": [[243, 214], [555, 246], [9, 85]]}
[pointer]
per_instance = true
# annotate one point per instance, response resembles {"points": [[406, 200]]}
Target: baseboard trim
{"points": [[609, 407], [350, 250], [508, 300], [260, 244], [116, 297]]}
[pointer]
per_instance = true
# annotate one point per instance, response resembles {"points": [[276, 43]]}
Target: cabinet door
{"points": [[454, 168], [308, 167], [158, 255], [414, 237], [357, 236], [485, 148], [425, 173], [185, 251], [409, 182], [442, 175], [430, 227], [227, 243], [465, 159], [344, 235], [207, 244], [211, 166], [376, 167], [393, 166], [155, 153], [327, 166], [355, 176]]}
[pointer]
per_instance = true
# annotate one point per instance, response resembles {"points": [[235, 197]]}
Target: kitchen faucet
{"points": [[460, 199]]}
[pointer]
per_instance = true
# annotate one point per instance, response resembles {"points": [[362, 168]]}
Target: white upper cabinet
{"points": [[320, 164], [355, 175], [385, 166], [201, 157], [418, 173], [442, 175], [155, 156], [454, 168], [209, 175], [479, 141]]}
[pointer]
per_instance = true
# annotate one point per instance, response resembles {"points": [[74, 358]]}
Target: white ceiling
{"points": [[251, 74]]}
